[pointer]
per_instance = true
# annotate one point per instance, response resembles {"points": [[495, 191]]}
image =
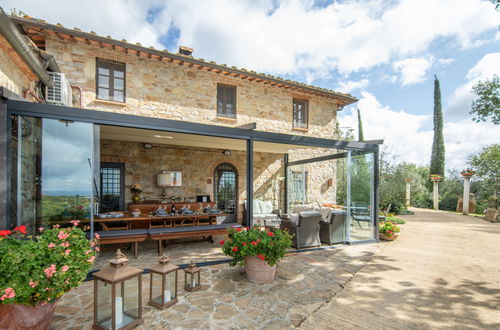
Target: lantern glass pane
{"points": [[130, 295], [103, 301], [157, 288]]}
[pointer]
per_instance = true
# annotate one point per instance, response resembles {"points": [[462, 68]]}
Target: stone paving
{"points": [[304, 282]]}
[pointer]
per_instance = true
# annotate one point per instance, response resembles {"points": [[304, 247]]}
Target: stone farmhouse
{"points": [[87, 118]]}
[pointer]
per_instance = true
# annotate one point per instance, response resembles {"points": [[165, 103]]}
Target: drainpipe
{"points": [[30, 92], [81, 93], [10, 32]]}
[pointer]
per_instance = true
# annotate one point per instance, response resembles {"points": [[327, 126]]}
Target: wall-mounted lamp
{"points": [[227, 152], [147, 146]]}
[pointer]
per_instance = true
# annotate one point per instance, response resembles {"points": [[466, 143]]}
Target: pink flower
{"points": [[65, 244], [51, 245], [41, 229], [50, 271], [75, 222], [67, 251], [92, 244], [91, 259], [56, 226], [62, 235], [88, 251], [97, 249], [97, 235], [65, 268], [9, 293], [33, 284]]}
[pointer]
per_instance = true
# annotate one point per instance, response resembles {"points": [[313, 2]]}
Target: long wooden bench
{"points": [[162, 234], [123, 236]]}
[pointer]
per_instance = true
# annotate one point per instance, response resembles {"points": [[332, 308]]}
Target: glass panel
{"points": [[220, 105], [103, 94], [156, 288], [226, 190], [111, 188], [52, 187], [103, 71], [168, 289], [130, 295], [118, 97], [103, 82], [118, 74], [361, 210], [118, 83], [103, 310]]}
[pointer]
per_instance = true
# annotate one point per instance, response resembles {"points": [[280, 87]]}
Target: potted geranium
{"points": [[258, 250], [388, 231], [36, 271]]}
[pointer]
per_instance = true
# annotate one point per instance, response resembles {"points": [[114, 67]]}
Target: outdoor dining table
{"points": [[177, 220]]}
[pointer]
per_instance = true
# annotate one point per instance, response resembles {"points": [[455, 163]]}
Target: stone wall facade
{"points": [[167, 90], [15, 75]]}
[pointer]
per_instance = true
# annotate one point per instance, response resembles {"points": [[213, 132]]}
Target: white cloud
{"points": [[349, 86], [412, 70], [405, 135], [445, 61], [459, 103]]}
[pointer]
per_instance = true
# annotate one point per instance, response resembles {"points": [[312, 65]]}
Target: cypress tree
{"points": [[360, 128], [437, 157]]}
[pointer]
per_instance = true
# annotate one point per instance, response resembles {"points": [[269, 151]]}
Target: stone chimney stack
{"points": [[183, 50]]}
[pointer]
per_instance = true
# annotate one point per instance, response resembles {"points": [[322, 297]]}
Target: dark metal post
{"points": [[249, 214], [285, 194], [375, 192], [4, 168]]}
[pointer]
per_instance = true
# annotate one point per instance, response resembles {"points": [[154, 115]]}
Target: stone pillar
{"points": [[435, 178], [408, 192], [467, 174], [436, 194]]}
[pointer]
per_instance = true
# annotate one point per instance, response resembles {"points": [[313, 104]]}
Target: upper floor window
{"points": [[300, 113], [226, 101], [110, 80]]}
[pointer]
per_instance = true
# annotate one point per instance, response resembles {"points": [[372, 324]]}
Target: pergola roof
{"points": [[36, 29]]}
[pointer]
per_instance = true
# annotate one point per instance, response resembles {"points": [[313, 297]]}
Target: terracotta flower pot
{"points": [[387, 238], [20, 317], [258, 271]]}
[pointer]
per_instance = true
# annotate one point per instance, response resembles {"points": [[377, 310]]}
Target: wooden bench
{"points": [[123, 236], [161, 234]]}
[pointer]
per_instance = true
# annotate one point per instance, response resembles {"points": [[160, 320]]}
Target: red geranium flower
{"points": [[237, 229], [235, 249], [270, 234], [21, 229], [244, 243], [5, 232], [258, 240], [253, 243], [222, 242], [261, 257]]}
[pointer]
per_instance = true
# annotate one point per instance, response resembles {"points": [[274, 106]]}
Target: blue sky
{"points": [[383, 52]]}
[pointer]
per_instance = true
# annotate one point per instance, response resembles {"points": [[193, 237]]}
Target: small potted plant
{"points": [[36, 271], [435, 177], [467, 173], [258, 250], [388, 231], [136, 188]]}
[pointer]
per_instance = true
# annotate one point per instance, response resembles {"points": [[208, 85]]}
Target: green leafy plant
{"points": [[394, 220], [41, 269], [388, 228], [270, 246]]}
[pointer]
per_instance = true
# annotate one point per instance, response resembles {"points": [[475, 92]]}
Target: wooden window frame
{"points": [[222, 114], [112, 67], [121, 168], [305, 124]]}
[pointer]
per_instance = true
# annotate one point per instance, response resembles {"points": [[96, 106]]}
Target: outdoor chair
{"points": [[304, 227], [332, 229]]}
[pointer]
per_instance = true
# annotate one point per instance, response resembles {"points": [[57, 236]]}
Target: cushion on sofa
{"points": [[266, 207], [256, 206]]}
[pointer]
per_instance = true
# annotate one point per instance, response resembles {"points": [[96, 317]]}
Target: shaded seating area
{"points": [[332, 230], [304, 226]]}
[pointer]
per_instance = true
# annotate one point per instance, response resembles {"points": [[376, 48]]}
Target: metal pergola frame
{"points": [[10, 106]]}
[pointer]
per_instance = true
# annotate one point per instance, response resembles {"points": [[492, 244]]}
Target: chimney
{"points": [[183, 50]]}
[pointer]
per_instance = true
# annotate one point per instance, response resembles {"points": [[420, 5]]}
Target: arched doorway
{"points": [[226, 188]]}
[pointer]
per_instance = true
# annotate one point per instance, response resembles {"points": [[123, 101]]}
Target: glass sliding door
{"points": [[360, 196], [54, 172]]}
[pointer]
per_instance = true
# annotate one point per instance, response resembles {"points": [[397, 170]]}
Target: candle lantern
{"points": [[163, 279], [117, 295], [192, 277]]}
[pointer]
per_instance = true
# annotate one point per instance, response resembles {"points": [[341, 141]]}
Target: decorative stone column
{"points": [[408, 191], [435, 178], [467, 174]]}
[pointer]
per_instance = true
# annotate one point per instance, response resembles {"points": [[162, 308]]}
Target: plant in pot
{"points": [[136, 188], [258, 250], [36, 271], [388, 231]]}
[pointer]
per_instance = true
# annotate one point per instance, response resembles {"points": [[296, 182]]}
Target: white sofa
{"points": [[263, 212]]}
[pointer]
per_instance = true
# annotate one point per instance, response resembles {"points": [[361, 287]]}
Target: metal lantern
{"points": [[192, 277], [163, 279], [117, 295]]}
